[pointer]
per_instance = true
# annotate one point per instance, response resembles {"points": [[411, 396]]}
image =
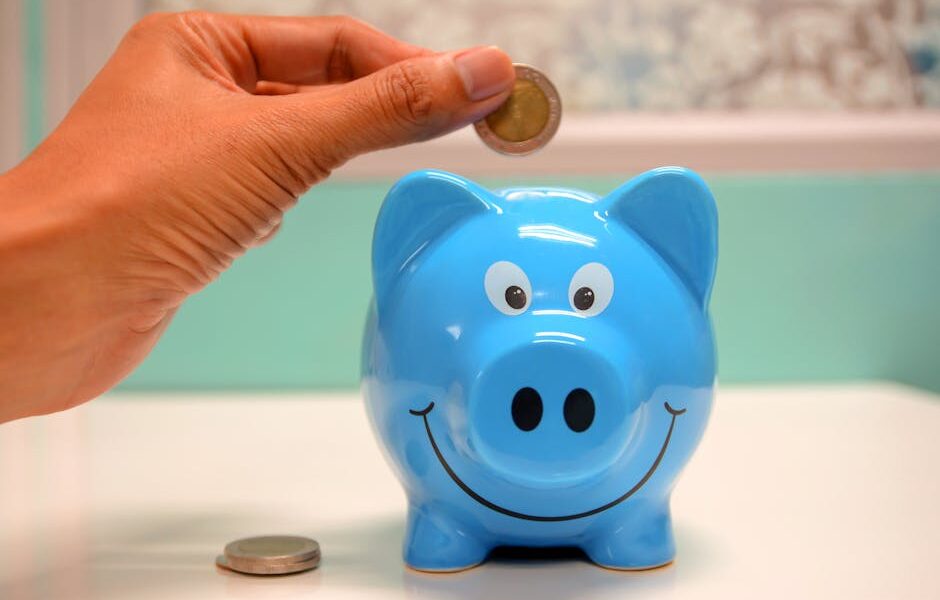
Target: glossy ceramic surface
{"points": [[539, 363]]}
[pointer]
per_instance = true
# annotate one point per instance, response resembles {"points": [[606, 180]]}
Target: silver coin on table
{"points": [[527, 120], [270, 555]]}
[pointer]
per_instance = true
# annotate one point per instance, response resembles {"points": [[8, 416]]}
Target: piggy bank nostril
{"points": [[579, 410], [527, 409]]}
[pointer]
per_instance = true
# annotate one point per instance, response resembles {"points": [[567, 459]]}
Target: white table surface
{"points": [[796, 492]]}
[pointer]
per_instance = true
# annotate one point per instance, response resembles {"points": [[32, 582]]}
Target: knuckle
{"points": [[345, 25], [153, 19], [182, 22], [194, 16], [166, 25], [151, 22], [343, 21], [408, 93]]}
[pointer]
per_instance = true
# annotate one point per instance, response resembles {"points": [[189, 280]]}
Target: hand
{"points": [[185, 151]]}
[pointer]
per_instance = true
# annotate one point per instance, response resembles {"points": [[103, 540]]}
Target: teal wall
{"points": [[33, 89], [821, 278]]}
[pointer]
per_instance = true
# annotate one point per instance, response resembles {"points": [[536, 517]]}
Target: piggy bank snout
{"points": [[550, 413]]}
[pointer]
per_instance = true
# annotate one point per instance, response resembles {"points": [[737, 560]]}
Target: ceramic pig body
{"points": [[539, 363]]}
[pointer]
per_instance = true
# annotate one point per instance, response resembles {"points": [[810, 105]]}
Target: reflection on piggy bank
{"points": [[539, 363]]}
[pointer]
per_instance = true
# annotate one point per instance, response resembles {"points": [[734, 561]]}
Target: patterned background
{"points": [[677, 54]]}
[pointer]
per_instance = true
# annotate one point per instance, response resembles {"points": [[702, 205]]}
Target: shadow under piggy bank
{"points": [[369, 556]]}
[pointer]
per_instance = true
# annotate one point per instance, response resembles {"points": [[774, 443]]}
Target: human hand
{"points": [[185, 151]]}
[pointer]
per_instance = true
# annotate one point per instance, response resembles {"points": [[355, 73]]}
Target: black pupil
{"points": [[515, 297], [584, 298], [527, 409], [579, 410]]}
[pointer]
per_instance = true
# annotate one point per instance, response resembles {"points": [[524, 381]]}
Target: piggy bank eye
{"points": [[507, 287], [591, 289]]}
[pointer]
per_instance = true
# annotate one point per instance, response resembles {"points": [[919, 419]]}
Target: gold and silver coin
{"points": [[270, 555], [528, 119]]}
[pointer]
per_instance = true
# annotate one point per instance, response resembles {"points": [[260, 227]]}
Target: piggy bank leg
{"points": [[435, 542], [642, 540]]}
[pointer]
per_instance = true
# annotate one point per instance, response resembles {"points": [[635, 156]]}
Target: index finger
{"points": [[297, 50]]}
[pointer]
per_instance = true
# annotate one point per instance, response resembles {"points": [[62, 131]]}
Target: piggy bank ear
{"points": [[672, 209], [419, 209]]}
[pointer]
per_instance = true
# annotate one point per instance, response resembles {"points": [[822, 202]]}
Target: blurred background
{"points": [[817, 124]]}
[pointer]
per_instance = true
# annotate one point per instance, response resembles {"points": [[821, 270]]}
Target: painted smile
{"points": [[518, 515]]}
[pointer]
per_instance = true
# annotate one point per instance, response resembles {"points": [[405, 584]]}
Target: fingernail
{"points": [[485, 71]]}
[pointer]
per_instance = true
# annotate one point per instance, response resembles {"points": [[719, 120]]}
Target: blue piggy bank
{"points": [[539, 363]]}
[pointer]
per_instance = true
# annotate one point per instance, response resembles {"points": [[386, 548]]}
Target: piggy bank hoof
{"points": [[434, 544], [641, 545]]}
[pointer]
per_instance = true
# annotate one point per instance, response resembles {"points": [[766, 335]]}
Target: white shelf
{"points": [[796, 492]]}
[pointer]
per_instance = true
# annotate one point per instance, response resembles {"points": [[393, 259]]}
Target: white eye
{"points": [[591, 289], [507, 287]]}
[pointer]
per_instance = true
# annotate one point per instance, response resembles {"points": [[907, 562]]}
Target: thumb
{"points": [[408, 101]]}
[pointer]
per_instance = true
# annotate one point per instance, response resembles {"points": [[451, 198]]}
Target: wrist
{"points": [[48, 303]]}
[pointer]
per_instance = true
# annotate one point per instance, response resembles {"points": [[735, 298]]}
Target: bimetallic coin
{"points": [[254, 568], [527, 120], [270, 555]]}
